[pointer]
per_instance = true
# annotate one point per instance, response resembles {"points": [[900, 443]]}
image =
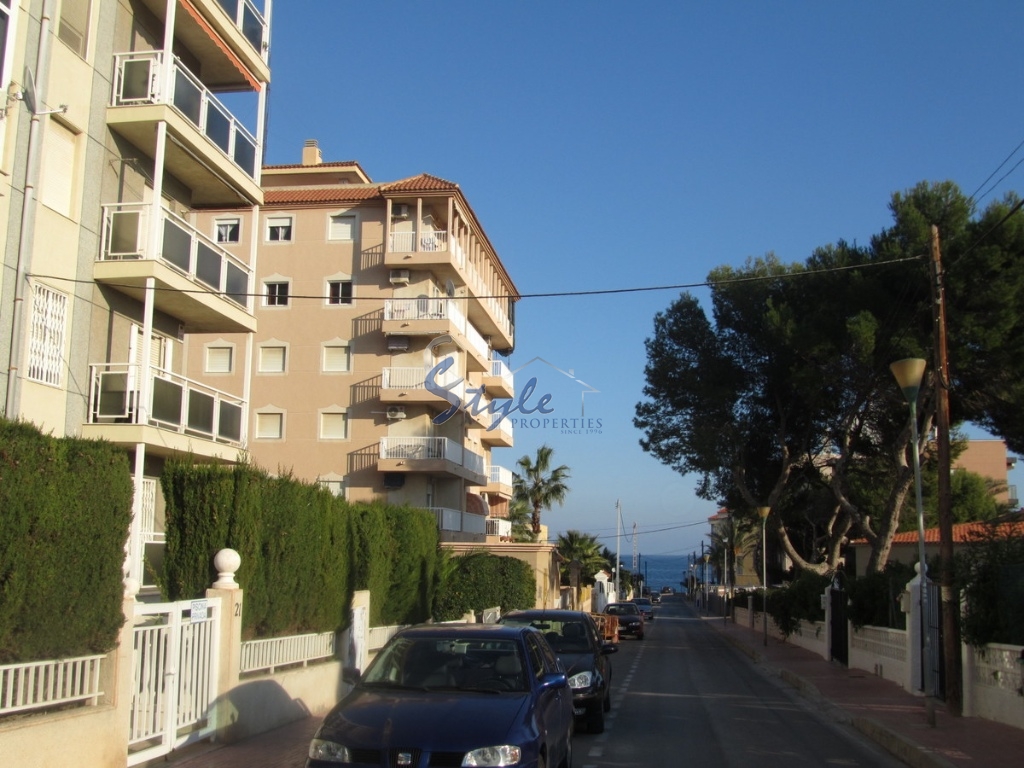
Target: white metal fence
{"points": [[40, 684], [269, 654]]}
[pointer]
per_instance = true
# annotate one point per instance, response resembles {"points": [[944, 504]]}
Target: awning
{"points": [[195, 14], [477, 504]]}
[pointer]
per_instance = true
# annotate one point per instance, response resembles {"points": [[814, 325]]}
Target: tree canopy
{"points": [[539, 484], [783, 397]]}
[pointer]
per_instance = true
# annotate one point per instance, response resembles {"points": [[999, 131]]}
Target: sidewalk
{"points": [[890, 716]]}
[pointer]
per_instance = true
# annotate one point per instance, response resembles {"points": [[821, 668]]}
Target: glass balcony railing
{"points": [[181, 246], [143, 78], [415, 448], [249, 21], [175, 403]]}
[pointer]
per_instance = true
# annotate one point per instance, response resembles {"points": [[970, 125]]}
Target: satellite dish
{"points": [[29, 94]]}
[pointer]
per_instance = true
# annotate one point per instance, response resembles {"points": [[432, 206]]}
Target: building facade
{"points": [[116, 135], [370, 299]]}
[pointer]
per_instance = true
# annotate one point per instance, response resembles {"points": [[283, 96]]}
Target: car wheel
{"points": [[595, 720]]}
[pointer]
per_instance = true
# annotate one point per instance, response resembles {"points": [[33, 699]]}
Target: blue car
{"points": [[453, 695]]}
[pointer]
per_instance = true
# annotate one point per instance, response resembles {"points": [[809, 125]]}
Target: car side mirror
{"points": [[556, 680], [351, 675], [607, 648]]}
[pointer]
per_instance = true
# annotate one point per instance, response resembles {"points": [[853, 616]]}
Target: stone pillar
{"points": [[230, 641], [910, 602]]}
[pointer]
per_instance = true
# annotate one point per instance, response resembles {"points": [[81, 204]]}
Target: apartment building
{"points": [[363, 289], [121, 126]]}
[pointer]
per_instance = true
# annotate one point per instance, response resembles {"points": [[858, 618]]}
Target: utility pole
{"points": [[618, 565], [950, 603]]}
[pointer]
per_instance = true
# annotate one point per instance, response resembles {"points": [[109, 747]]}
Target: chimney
{"points": [[311, 153]]}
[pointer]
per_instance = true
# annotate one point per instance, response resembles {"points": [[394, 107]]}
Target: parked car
{"points": [[631, 622], [646, 607], [453, 694], [574, 638], [656, 598]]}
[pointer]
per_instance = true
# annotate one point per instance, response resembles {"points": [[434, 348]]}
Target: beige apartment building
{"points": [[362, 290], [114, 137]]}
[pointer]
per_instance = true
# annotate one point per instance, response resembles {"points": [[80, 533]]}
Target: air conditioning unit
{"points": [[398, 343], [400, 211], [396, 412], [399, 277]]}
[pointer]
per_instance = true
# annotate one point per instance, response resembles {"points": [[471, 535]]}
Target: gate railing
{"points": [[40, 684]]}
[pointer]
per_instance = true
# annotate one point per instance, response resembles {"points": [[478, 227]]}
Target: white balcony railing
{"points": [[416, 448], [410, 242], [437, 309], [175, 403], [499, 475], [501, 371], [149, 532], [181, 246], [250, 23], [499, 526], [409, 378], [142, 78], [455, 520], [38, 684]]}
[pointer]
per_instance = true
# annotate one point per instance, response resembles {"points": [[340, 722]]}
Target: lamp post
{"points": [[763, 514], [725, 579], [908, 373]]}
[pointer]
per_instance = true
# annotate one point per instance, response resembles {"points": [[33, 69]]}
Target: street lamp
{"points": [[908, 373], [763, 514], [725, 580]]}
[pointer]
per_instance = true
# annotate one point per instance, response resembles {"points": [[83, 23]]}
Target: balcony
{"points": [[444, 256], [499, 381], [208, 149], [434, 455], [499, 481], [405, 385], [183, 416], [500, 435], [230, 39], [197, 281], [436, 317], [500, 527], [457, 521]]}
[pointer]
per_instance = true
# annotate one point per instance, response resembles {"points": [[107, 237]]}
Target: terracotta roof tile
{"points": [[963, 533], [422, 183], [343, 194]]}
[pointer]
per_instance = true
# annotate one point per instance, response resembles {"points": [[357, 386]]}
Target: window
{"points": [[336, 358], [272, 359], [339, 292], [7, 36], [276, 294], [74, 25], [46, 345], [343, 227], [279, 229], [219, 359], [269, 426], [228, 230], [333, 425], [57, 173]]}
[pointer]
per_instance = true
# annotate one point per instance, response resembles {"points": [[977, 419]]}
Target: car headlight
{"points": [[329, 752], [503, 755], [582, 679]]}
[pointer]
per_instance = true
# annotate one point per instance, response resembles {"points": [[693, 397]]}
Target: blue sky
{"points": [[626, 145]]}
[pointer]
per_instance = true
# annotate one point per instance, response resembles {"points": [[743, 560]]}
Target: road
{"points": [[684, 696]]}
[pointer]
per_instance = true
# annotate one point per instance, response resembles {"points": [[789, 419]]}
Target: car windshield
{"points": [[449, 663], [563, 636], [622, 609]]}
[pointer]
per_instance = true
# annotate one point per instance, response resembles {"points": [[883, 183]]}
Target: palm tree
{"points": [[519, 515], [585, 549], [540, 485]]}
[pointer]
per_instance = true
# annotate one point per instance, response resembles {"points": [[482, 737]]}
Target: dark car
{"points": [[574, 638], [646, 607], [453, 694], [631, 621], [656, 598]]}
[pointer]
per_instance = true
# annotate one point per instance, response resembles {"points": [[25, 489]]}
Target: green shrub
{"points": [[799, 601], [480, 580], [990, 576], [874, 597]]}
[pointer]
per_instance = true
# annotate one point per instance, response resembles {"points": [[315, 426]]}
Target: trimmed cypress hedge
{"points": [[480, 580], [65, 511]]}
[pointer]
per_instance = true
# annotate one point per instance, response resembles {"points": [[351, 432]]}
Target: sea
{"points": [[662, 571]]}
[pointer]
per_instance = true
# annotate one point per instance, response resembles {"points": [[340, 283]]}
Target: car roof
{"points": [[469, 631], [556, 614]]}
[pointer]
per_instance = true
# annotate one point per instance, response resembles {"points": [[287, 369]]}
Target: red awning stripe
{"points": [[195, 14]]}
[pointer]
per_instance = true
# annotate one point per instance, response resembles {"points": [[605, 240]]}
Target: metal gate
{"points": [[174, 665], [839, 645]]}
